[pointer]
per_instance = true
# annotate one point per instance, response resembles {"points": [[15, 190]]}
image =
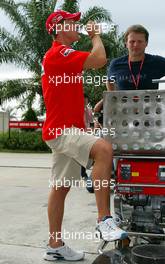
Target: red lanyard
{"points": [[136, 82]]}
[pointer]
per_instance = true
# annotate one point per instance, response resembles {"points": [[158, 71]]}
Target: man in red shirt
{"points": [[64, 127]]}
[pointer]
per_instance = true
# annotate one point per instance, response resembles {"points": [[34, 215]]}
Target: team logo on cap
{"points": [[57, 19]]}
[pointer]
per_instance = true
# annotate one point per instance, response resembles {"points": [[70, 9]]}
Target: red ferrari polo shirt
{"points": [[62, 85]]}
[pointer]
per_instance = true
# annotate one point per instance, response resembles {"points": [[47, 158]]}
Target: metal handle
{"points": [[158, 81]]}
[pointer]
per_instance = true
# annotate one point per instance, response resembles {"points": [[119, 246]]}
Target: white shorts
{"points": [[70, 152]]}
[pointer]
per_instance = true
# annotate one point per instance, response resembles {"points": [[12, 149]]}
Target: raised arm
{"points": [[97, 57]]}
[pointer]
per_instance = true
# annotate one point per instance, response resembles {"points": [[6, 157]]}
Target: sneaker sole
{"points": [[123, 236], [51, 258]]}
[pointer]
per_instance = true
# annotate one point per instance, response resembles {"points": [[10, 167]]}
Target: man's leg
{"points": [[57, 249], [101, 152], [55, 214], [64, 170]]}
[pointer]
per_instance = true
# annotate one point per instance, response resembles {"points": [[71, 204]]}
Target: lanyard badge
{"points": [[135, 81]]}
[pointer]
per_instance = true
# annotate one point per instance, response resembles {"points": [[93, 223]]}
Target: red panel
{"points": [[142, 172]]}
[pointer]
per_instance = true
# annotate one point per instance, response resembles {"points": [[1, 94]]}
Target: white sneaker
{"points": [[63, 253], [109, 231]]}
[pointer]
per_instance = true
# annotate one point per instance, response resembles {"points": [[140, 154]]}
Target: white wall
{"points": [[4, 121]]}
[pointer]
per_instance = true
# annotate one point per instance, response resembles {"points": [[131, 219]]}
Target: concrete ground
{"points": [[24, 187]]}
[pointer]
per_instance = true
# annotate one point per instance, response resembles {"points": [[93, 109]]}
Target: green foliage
{"points": [[98, 14], [23, 141], [26, 47], [71, 6], [30, 115]]}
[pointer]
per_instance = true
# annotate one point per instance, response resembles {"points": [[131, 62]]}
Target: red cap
{"points": [[58, 16]]}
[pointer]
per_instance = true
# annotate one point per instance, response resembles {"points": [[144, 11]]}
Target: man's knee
{"points": [[60, 189], [101, 149]]}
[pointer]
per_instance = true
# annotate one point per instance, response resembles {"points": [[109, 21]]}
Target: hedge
{"points": [[23, 141]]}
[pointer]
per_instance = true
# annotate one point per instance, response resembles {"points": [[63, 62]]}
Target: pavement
{"points": [[24, 188]]}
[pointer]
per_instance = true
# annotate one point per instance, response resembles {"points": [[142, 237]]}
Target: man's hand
{"points": [[110, 86], [93, 29], [97, 57]]}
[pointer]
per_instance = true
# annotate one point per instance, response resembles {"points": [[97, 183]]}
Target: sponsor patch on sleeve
{"points": [[65, 51]]}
